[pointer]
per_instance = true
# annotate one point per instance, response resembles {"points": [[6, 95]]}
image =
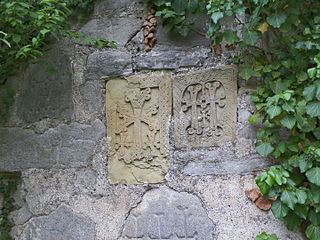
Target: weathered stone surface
{"points": [[226, 160], [109, 63], [205, 108], [21, 216], [92, 99], [171, 58], [61, 147], [234, 215], [120, 30], [119, 7], [62, 224], [138, 111], [47, 89], [166, 214]]}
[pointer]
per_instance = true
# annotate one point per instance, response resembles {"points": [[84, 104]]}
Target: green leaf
{"points": [[313, 175], [250, 37], [289, 198], [312, 72], [276, 19], [309, 92], [179, 6], [273, 111], [253, 118], [288, 121], [16, 38], [216, 16], [314, 217], [246, 72], [301, 196], [292, 221], [302, 210], [316, 133], [313, 109], [279, 209], [305, 164], [264, 148], [313, 232], [230, 36]]}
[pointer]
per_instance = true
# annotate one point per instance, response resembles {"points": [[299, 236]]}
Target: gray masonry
{"points": [[56, 139]]}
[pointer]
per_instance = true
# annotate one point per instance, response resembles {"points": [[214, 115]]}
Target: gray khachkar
{"points": [[138, 114], [205, 107], [166, 214]]}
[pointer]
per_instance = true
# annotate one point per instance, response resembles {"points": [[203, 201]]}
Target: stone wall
{"points": [[112, 144]]}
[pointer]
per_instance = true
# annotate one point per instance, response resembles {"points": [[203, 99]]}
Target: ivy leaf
{"points": [[253, 118], [309, 92], [273, 111], [179, 6], [264, 148], [302, 210], [230, 36], [216, 16], [250, 37], [313, 175], [288, 121], [292, 221], [276, 19], [316, 133], [245, 72], [313, 109], [314, 217], [313, 232], [301, 196], [279, 209], [289, 198]]}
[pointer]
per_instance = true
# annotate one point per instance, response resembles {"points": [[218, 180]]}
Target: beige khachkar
{"points": [[205, 107], [138, 115]]}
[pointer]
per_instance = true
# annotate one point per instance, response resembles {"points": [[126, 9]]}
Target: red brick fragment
{"points": [[253, 194], [263, 204]]}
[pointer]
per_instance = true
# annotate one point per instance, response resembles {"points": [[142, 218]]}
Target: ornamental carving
{"points": [[205, 108], [138, 111]]}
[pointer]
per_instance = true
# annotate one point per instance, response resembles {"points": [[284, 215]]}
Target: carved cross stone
{"points": [[137, 123], [205, 108]]}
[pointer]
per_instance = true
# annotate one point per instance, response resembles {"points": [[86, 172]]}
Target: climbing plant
{"points": [[26, 28], [279, 45]]}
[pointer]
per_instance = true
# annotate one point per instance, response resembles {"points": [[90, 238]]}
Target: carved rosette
{"points": [[137, 118], [205, 108]]}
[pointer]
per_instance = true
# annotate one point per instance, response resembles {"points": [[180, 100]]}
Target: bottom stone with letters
{"points": [[166, 214]]}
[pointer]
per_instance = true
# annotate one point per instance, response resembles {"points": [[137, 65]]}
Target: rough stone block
{"points": [[172, 58], [120, 30], [61, 147], [205, 108], [110, 63], [115, 8], [138, 112], [166, 214], [62, 224], [47, 89]]}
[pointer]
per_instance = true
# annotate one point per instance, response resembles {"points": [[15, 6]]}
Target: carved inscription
{"points": [[168, 215], [205, 108], [137, 115]]}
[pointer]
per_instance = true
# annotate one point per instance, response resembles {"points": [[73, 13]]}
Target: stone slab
{"points": [[166, 214], [109, 63], [205, 107], [138, 110], [120, 30], [61, 147], [62, 224], [162, 57], [47, 89]]}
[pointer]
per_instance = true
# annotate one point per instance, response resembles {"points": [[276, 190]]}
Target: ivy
{"points": [[279, 44], [26, 29]]}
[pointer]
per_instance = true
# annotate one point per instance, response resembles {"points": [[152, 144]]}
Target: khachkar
{"points": [[138, 112], [205, 105]]}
